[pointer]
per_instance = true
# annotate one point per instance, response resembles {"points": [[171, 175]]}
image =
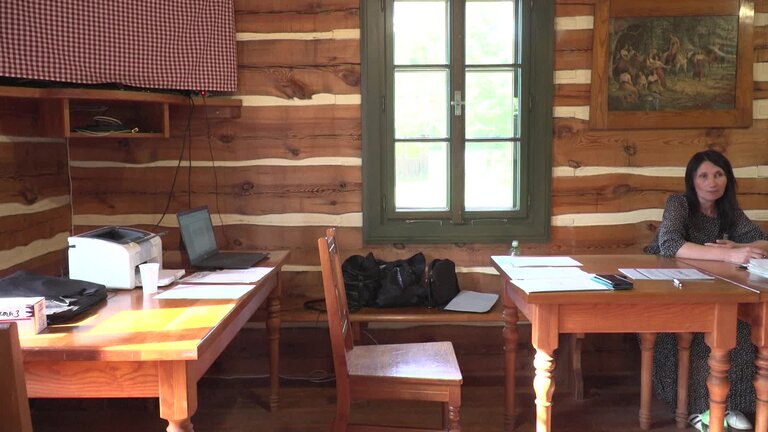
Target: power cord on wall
{"points": [[178, 164]]}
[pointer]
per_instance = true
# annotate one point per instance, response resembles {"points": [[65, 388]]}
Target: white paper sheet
{"points": [[559, 285], [666, 274], [250, 275], [472, 301], [544, 272], [531, 261], [208, 291]]}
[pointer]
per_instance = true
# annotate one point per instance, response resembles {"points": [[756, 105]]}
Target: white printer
{"points": [[111, 255]]}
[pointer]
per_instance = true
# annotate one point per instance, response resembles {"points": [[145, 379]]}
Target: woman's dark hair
{"points": [[726, 205]]}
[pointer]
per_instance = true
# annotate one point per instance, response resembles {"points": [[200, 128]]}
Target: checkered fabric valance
{"points": [[181, 45]]}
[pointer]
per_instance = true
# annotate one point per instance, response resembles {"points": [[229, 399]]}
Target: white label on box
{"points": [[28, 312]]}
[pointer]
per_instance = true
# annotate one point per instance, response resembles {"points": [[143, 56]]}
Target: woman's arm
{"points": [[723, 250]]}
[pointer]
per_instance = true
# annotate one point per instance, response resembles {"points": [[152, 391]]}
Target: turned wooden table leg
{"points": [[647, 341], [179, 426], [544, 386], [718, 385], [761, 389], [511, 336], [683, 372]]}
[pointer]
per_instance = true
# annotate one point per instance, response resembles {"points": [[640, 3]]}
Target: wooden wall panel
{"points": [[576, 145], [298, 82], [291, 16], [310, 53], [251, 190], [572, 94]]}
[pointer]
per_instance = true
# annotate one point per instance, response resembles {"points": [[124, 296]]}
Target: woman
{"points": [[706, 222]]}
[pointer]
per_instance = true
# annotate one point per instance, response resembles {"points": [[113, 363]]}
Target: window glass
{"points": [[421, 176], [420, 32]]}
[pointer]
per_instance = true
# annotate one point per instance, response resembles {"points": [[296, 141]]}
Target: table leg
{"points": [[273, 329], [647, 341], [683, 372], [180, 426], [544, 386], [178, 395], [761, 388], [718, 385], [578, 376], [511, 336]]}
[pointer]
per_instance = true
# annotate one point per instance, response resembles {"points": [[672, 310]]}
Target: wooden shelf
{"points": [[62, 111]]}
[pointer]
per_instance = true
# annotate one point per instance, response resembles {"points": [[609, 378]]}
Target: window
{"points": [[457, 120]]}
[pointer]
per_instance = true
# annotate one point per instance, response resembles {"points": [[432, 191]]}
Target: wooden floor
{"points": [[236, 405]]}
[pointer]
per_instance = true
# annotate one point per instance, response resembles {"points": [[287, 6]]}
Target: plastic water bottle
{"points": [[514, 249]]}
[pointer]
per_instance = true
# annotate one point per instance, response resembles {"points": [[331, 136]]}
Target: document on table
{"points": [[203, 292], [559, 285], [544, 272], [534, 261], [666, 274], [249, 275]]}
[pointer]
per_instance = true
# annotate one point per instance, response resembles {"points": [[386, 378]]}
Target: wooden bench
{"points": [[292, 310]]}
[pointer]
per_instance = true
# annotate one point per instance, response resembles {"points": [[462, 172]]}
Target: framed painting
{"points": [[672, 64]]}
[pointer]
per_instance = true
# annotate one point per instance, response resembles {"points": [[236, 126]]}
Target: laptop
{"points": [[200, 243]]}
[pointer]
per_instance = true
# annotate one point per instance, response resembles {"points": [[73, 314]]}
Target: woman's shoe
{"points": [[695, 421], [737, 420]]}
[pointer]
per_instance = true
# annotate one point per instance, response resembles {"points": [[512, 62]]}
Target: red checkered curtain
{"points": [[164, 44]]}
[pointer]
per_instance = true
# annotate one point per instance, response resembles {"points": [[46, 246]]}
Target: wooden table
{"points": [[650, 307], [137, 346], [756, 314]]}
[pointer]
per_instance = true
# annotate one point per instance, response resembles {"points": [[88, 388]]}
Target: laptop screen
{"points": [[197, 233]]}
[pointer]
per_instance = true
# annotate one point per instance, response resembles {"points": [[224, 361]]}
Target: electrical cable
{"points": [[71, 190], [178, 164], [213, 166]]}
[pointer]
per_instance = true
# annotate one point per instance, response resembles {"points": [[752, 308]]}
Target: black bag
{"points": [[401, 283], [442, 283], [362, 280], [64, 298]]}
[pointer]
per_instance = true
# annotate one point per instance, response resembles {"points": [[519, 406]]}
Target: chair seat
{"points": [[416, 361]]}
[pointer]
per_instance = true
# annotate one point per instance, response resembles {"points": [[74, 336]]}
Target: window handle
{"points": [[456, 103]]}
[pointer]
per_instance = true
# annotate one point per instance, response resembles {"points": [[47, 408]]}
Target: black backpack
{"points": [[442, 283], [401, 282], [362, 281]]}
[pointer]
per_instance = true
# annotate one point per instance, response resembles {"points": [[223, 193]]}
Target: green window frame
{"points": [[529, 219]]}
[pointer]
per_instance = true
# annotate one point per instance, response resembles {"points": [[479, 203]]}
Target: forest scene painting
{"points": [[672, 63]]}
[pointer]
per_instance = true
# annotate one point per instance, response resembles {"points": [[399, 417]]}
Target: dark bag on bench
{"points": [[362, 280], [401, 283], [442, 283], [64, 298]]}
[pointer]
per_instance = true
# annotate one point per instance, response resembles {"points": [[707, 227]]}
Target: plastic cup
{"points": [[149, 274]]}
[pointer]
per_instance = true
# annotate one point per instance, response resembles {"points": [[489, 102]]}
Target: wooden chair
{"points": [[417, 371], [14, 405]]}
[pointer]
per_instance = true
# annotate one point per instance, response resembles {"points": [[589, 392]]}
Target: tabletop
{"points": [[133, 326]]}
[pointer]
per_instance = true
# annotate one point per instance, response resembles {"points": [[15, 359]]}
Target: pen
{"points": [[677, 283]]}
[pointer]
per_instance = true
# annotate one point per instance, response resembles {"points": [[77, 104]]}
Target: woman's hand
{"points": [[742, 255]]}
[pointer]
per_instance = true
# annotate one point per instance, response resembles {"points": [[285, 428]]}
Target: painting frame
{"points": [[600, 117]]}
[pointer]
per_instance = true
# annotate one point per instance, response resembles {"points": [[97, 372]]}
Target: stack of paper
{"points": [[547, 274], [758, 267]]}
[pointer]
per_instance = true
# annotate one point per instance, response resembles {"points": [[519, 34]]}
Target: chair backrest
{"points": [[14, 405], [339, 326]]}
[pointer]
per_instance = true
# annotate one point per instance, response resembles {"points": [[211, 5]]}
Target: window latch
{"points": [[456, 103]]}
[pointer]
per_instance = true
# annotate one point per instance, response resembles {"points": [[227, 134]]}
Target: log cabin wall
{"points": [[290, 164], [35, 211]]}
